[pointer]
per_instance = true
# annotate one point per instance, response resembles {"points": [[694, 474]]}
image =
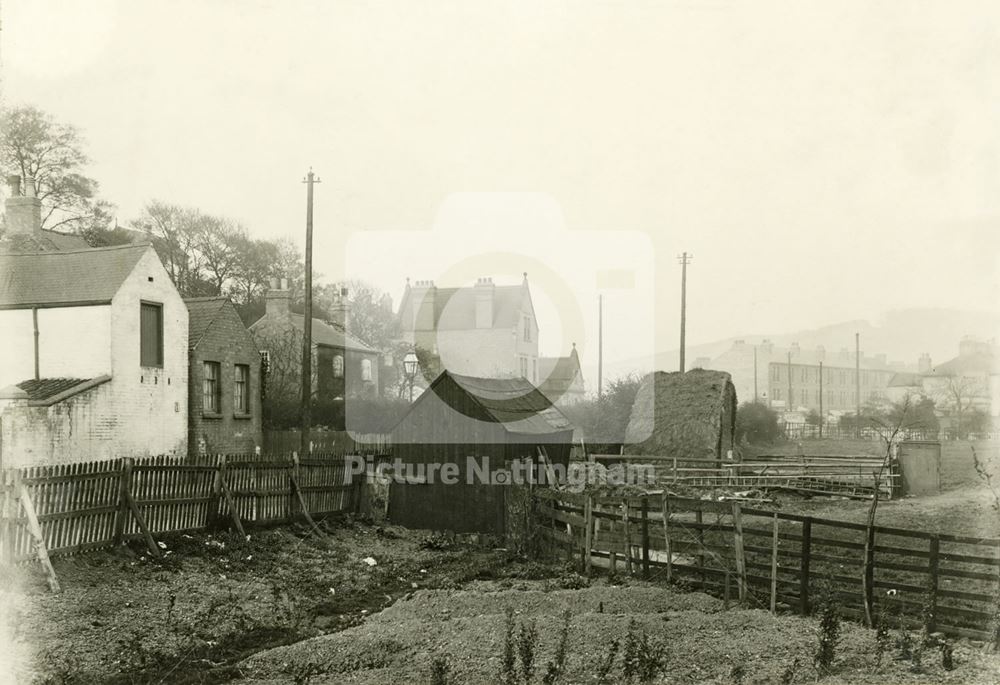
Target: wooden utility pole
{"points": [[857, 385], [684, 260], [600, 346], [304, 445]]}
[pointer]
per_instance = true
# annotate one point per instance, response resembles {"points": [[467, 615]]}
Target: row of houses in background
{"points": [[793, 380]]}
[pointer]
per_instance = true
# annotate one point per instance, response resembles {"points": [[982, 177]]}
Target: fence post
{"points": [[738, 549], [588, 542], [628, 537], [215, 506], [774, 564], [869, 579], [124, 488], [699, 532], [932, 589], [7, 532], [665, 506], [645, 538], [804, 567], [35, 528]]}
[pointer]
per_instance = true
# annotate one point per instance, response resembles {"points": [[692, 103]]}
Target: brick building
{"points": [[485, 330], [343, 366], [224, 412], [95, 356]]}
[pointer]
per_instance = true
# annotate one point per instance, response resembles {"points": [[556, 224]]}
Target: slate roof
{"points": [[976, 364], [514, 402], [455, 308], [904, 380], [323, 333], [46, 391], [92, 276], [44, 241], [202, 311]]}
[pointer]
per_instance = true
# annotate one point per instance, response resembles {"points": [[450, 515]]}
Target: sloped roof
{"points": [[975, 364], [202, 311], [455, 308], [680, 414], [514, 402], [48, 391], [92, 276], [44, 241], [323, 333], [558, 373]]}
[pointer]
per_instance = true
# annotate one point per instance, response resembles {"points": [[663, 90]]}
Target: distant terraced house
{"points": [[95, 362]]}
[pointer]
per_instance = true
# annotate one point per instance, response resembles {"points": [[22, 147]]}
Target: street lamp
{"points": [[410, 363]]}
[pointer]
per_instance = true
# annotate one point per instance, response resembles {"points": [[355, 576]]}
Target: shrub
{"points": [[440, 670], [526, 639], [508, 673], [641, 658], [555, 669], [607, 663], [947, 656], [756, 423]]}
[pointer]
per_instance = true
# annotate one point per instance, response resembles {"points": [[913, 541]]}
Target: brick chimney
{"points": [[278, 298], [341, 310], [484, 302], [924, 363], [24, 212]]}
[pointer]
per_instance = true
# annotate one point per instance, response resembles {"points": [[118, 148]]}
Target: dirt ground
{"points": [[702, 642], [214, 599]]}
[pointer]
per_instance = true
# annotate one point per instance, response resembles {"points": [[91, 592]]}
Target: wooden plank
{"points": [[39, 540], [741, 574], [665, 505], [774, 567], [588, 536], [645, 537], [932, 583]]}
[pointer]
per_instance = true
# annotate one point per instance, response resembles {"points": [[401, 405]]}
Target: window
{"points": [[524, 367], [150, 334], [338, 366], [804, 372], [527, 329], [366, 370], [241, 389], [210, 387], [265, 361]]}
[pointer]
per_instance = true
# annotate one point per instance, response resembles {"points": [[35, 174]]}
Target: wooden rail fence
{"points": [[70, 508], [854, 477], [951, 583]]}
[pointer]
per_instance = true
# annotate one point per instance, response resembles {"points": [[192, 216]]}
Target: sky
{"points": [[823, 161]]}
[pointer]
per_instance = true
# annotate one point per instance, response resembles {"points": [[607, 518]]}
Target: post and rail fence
{"points": [[946, 583]]}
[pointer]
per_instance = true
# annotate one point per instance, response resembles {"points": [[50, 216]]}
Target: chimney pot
{"points": [[24, 212], [14, 185]]}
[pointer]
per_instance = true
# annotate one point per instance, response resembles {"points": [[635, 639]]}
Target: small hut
{"points": [[480, 425], [688, 415]]}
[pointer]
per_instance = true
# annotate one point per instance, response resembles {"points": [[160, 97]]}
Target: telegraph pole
{"points": [[857, 383], [684, 259], [304, 446], [600, 345]]}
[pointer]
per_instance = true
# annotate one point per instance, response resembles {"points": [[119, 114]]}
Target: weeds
{"points": [[607, 663], [508, 672], [788, 675], [829, 635], [738, 671], [526, 639], [555, 669], [641, 657], [947, 656], [440, 671], [883, 641]]}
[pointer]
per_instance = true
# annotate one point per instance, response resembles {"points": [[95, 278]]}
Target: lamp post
{"points": [[410, 363]]}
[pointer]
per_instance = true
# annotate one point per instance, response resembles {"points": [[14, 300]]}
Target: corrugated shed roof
{"points": [[455, 308], [76, 276], [202, 311]]}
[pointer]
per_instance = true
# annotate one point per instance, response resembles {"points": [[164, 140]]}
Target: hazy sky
{"points": [[822, 160]]}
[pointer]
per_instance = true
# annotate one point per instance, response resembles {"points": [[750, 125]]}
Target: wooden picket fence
{"points": [[950, 583], [71, 508]]}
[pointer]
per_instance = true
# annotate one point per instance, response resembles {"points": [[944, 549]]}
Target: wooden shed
{"points": [[479, 425], [684, 415]]}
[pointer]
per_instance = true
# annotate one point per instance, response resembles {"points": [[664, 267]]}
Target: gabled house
{"points": [[95, 356], [561, 379], [485, 330], [224, 411], [343, 366]]}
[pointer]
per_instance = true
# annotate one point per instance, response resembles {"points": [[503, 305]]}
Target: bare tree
{"points": [[959, 392], [34, 146]]}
